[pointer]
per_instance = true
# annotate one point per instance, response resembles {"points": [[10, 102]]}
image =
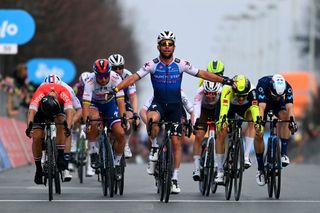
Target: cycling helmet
{"points": [[83, 77], [101, 66], [216, 67], [278, 85], [209, 86], [50, 106], [52, 79], [166, 35], [116, 60], [243, 85]]}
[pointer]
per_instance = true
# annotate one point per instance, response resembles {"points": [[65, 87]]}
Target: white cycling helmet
{"points": [[166, 35], [52, 79], [116, 60], [209, 86], [278, 85], [83, 77]]}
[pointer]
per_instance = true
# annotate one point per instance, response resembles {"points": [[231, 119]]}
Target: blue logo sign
{"points": [[39, 68], [16, 27]]}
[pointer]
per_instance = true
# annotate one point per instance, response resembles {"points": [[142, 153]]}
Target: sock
{"points": [[67, 158], [175, 174], [249, 142], [74, 139], [38, 165], [196, 160], [284, 146], [154, 142], [260, 161], [220, 159]]}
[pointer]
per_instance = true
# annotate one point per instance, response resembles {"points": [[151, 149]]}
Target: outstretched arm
{"points": [[128, 81], [210, 76]]}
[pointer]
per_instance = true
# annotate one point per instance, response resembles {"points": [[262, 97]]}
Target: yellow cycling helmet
{"points": [[216, 67], [243, 85]]}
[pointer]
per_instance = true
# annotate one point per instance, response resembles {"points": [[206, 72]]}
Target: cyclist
{"points": [[187, 106], [206, 107], [55, 104], [166, 76], [275, 93], [131, 99], [99, 98], [240, 100], [51, 79], [78, 90], [216, 67]]}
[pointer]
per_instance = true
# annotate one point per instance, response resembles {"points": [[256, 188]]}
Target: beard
{"points": [[166, 56]]}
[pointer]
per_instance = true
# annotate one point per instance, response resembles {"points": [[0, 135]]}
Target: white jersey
{"points": [[187, 104], [201, 101], [94, 92], [132, 88], [75, 101]]}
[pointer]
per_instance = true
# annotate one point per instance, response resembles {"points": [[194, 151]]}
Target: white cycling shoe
{"points": [[260, 178], [151, 167], [247, 163], [175, 188], [153, 155], [127, 151], [219, 178], [285, 161], [66, 175], [90, 171]]}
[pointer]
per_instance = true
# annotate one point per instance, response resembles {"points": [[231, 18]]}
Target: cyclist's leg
{"points": [[129, 114], [220, 150], [92, 136], [60, 141], [249, 138]]}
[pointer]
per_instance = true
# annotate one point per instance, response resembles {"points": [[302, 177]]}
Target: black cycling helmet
{"points": [[50, 106]]}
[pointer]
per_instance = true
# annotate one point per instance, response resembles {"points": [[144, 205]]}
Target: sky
{"points": [[258, 43]]}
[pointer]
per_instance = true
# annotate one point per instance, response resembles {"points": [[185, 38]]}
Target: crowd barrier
{"points": [[15, 146]]}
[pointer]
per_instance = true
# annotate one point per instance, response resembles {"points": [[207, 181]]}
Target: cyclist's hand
{"points": [[29, 130], [124, 123], [293, 126], [67, 131], [259, 129], [136, 118], [228, 81], [221, 124]]}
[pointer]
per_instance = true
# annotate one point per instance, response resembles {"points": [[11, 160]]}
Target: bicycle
{"points": [[106, 158], [272, 158], [234, 163], [50, 156], [164, 165], [81, 152], [207, 171]]}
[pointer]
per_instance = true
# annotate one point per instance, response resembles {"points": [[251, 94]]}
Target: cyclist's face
{"points": [[210, 96], [102, 80], [166, 48], [118, 69], [241, 98]]}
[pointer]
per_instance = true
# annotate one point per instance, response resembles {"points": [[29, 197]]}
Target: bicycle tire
{"points": [[57, 183], [50, 168], [168, 172], [228, 174], [121, 182], [110, 174], [269, 167], [203, 182], [238, 169], [210, 166], [161, 172], [277, 169], [80, 159]]}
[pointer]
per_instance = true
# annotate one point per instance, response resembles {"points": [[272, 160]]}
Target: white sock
{"points": [[249, 142], [196, 160], [154, 142], [220, 159], [93, 147], [117, 160], [175, 174]]}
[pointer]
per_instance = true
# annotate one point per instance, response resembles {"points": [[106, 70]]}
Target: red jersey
{"points": [[64, 96]]}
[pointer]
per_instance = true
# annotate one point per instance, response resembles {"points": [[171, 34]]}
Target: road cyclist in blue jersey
{"points": [[166, 73]]}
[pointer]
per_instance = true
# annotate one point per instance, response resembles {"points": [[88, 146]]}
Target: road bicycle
{"points": [[81, 152]]}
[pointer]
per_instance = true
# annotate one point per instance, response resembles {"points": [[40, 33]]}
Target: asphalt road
{"points": [[300, 193]]}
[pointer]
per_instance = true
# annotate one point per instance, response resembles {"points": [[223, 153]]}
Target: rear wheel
{"points": [[168, 172], [50, 168], [204, 171], [80, 158], [269, 168], [210, 166], [161, 172], [238, 169], [228, 174]]}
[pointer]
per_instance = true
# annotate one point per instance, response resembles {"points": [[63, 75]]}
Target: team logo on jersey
{"points": [[254, 102]]}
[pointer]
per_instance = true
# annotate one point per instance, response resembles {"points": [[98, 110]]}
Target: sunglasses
{"points": [[210, 93], [240, 95], [117, 67], [103, 75], [166, 43]]}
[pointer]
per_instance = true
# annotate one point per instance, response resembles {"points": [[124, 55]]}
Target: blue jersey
{"points": [[166, 79], [264, 93]]}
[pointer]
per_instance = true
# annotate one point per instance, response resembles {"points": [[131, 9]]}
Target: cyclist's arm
{"points": [[143, 115], [121, 105], [209, 76], [77, 115], [289, 108], [86, 99], [31, 114], [254, 108], [226, 96], [68, 117], [262, 107], [134, 102]]}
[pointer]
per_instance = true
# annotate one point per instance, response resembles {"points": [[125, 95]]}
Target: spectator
{"points": [[19, 90]]}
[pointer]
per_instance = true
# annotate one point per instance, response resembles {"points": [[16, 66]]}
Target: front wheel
{"points": [[269, 168], [277, 169], [238, 163]]}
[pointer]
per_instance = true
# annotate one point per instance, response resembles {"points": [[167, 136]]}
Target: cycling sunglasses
{"points": [[240, 95], [103, 75], [117, 67], [210, 93], [166, 43]]}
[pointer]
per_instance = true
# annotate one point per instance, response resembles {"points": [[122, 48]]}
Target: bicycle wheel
{"points": [[106, 168], [80, 158], [210, 165], [269, 168], [277, 169], [238, 167], [168, 170], [57, 184], [121, 182], [204, 173], [228, 174], [161, 161], [50, 168]]}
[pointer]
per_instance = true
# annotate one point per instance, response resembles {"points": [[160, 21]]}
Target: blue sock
{"points": [[260, 161], [284, 146]]}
